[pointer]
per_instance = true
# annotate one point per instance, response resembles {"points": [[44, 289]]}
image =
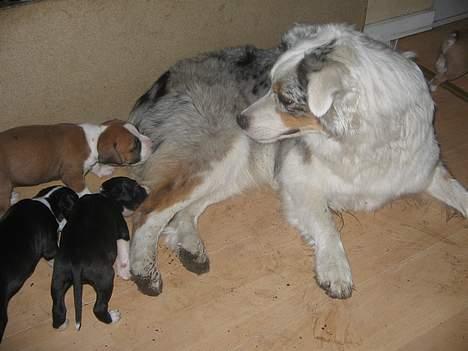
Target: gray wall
{"points": [[89, 60]]}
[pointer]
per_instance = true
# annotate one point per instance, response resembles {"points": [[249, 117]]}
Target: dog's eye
{"points": [[285, 100]]}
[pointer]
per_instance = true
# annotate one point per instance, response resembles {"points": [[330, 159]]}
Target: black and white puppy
{"points": [[29, 231], [95, 237]]}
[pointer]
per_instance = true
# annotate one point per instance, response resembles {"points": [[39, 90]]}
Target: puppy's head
{"points": [[61, 200], [125, 191], [121, 144]]}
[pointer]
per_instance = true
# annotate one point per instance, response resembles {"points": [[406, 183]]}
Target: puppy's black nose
{"points": [[243, 121]]}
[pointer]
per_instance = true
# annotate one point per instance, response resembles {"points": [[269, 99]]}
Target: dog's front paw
{"points": [[198, 264], [151, 285], [334, 275]]}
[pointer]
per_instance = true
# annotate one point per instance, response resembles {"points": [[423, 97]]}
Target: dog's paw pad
{"points": [[115, 315], [151, 286], [198, 264]]}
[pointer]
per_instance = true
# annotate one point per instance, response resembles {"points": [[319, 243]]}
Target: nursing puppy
{"points": [[337, 121], [29, 231], [32, 155], [94, 238]]}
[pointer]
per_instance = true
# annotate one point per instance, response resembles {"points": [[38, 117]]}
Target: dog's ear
{"points": [[321, 78], [297, 33]]}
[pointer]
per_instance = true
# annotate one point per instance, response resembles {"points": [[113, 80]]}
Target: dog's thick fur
{"points": [[346, 125]]}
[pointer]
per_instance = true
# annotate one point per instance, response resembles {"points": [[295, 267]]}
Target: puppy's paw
{"points": [[63, 326], [115, 315], [334, 275], [51, 263], [198, 264], [102, 170], [123, 270], [151, 285], [14, 197]]}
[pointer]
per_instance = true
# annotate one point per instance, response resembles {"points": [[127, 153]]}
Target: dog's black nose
{"points": [[243, 121]]}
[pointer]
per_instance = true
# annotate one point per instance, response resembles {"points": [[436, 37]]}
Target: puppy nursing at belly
{"points": [[32, 155], [94, 243], [29, 231]]}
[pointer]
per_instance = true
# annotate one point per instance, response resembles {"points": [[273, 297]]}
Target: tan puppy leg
{"points": [[74, 179]]}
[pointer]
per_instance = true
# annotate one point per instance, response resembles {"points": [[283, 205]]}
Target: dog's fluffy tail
{"points": [[448, 190], [78, 295]]}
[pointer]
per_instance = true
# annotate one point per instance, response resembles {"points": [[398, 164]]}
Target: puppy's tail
{"points": [[78, 295]]}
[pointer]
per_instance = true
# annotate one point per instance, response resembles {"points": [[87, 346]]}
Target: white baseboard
{"points": [[451, 19], [402, 26]]}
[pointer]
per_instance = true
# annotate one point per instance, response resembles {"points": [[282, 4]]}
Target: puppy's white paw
{"points": [[63, 326], [14, 197], [334, 274], [102, 170], [51, 263], [115, 315], [123, 270]]}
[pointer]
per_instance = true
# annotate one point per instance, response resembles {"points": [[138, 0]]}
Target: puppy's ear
{"points": [[63, 202], [67, 203], [107, 149], [109, 155]]}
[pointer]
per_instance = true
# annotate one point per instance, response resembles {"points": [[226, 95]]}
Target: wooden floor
{"points": [[410, 265]]}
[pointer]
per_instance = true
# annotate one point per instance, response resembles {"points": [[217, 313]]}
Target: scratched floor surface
{"points": [[410, 265]]}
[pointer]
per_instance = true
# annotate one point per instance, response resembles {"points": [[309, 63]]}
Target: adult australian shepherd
{"points": [[331, 118]]}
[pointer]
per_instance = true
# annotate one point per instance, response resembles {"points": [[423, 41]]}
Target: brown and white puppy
{"points": [[36, 154]]}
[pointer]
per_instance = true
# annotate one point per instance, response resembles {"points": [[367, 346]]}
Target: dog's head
{"points": [[120, 144], [61, 200], [331, 79], [126, 192]]}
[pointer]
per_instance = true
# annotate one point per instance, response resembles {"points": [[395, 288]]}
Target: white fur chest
{"points": [[359, 177]]}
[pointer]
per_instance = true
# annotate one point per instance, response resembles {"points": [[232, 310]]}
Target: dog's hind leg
{"points": [[178, 187], [60, 284], [448, 190], [183, 237], [103, 284]]}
